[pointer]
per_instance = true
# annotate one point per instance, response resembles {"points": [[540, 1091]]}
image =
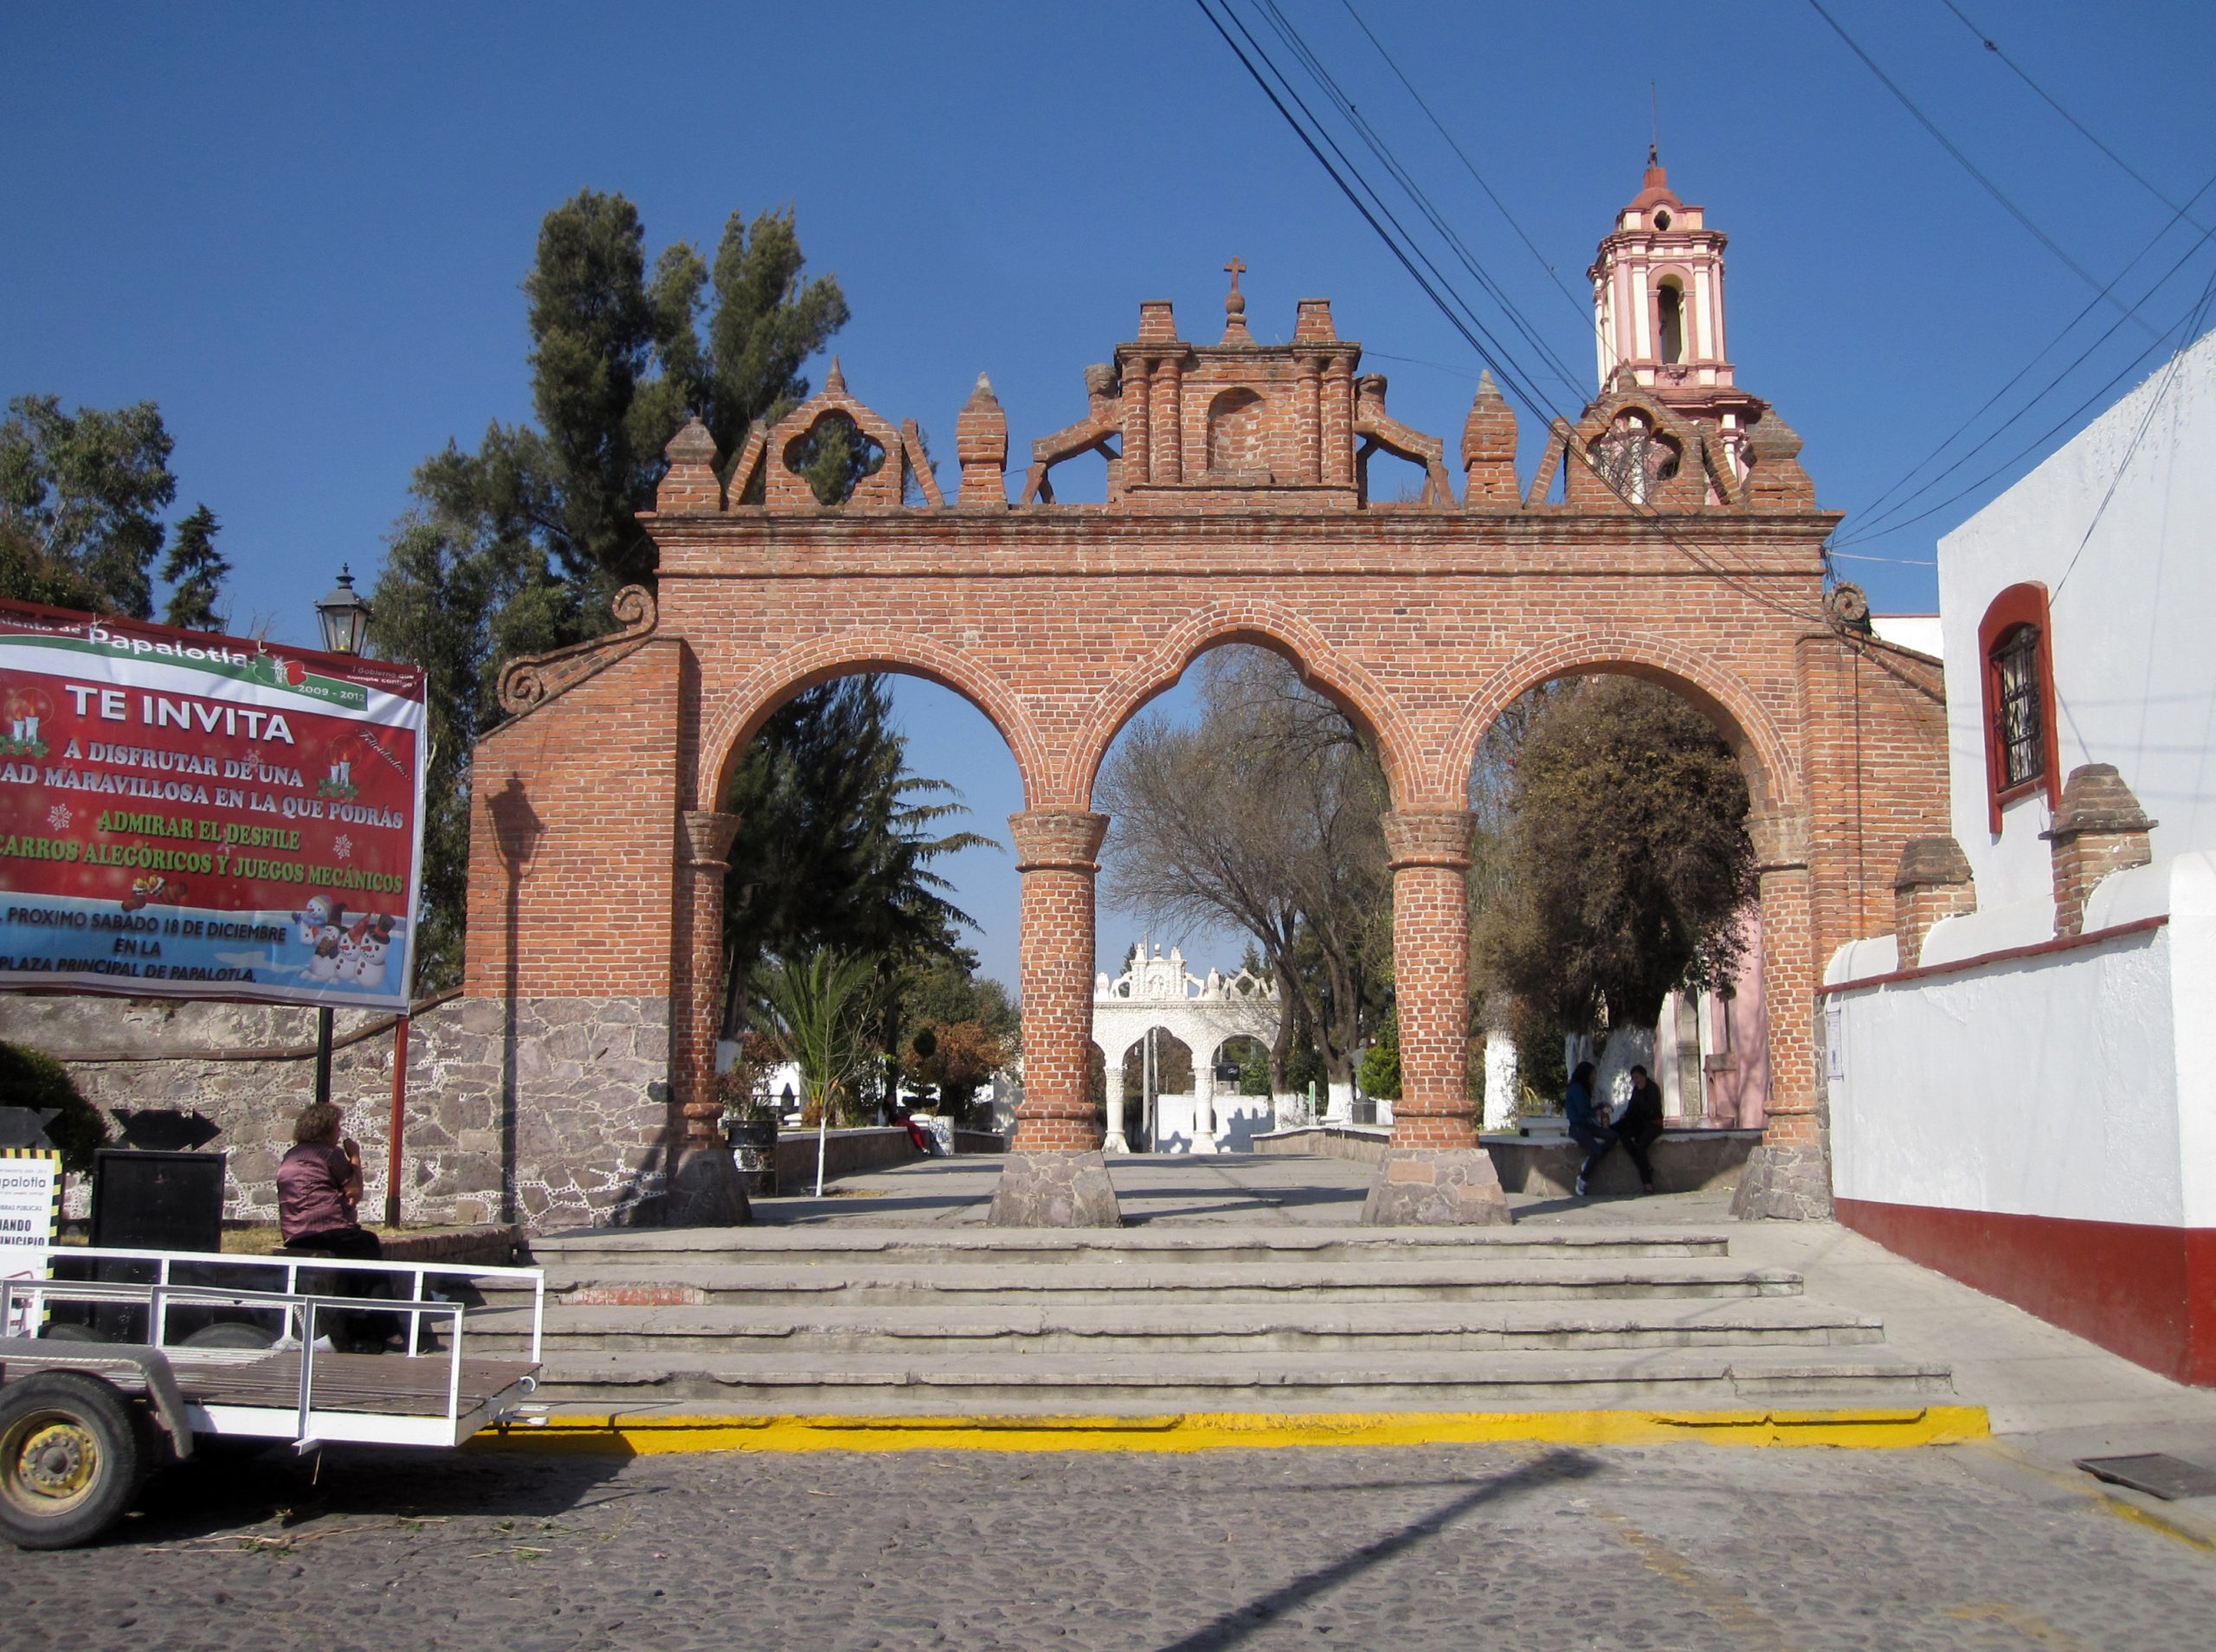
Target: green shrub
{"points": [[31, 1078]]}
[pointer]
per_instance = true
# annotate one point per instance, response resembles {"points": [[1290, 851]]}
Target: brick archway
{"points": [[1261, 624], [1421, 617], [739, 718]]}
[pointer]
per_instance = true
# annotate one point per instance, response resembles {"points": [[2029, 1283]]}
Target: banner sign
{"points": [[30, 1206], [189, 815]]}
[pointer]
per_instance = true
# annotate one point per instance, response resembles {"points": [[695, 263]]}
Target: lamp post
{"points": [[344, 618]]}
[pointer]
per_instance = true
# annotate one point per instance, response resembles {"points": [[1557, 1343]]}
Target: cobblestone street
{"points": [[1448, 1547]]}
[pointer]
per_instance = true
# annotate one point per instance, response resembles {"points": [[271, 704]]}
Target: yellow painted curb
{"points": [[1886, 1427]]}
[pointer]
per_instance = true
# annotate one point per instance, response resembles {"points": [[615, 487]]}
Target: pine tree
{"points": [[195, 573], [81, 498]]}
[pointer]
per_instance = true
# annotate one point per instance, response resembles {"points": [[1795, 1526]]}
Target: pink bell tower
{"points": [[1658, 306]]}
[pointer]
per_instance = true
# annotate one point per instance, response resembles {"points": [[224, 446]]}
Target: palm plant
{"points": [[818, 1008]]}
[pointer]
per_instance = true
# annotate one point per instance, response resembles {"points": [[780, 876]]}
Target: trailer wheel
{"points": [[69, 1459], [231, 1334]]}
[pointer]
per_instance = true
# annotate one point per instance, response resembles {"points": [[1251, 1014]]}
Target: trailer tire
{"points": [[231, 1334], [69, 1459]]}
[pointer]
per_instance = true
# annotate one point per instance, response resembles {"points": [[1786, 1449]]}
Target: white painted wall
{"points": [[2135, 674], [2071, 1084]]}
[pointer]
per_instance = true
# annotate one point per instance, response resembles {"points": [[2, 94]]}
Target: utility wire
{"points": [[2032, 445], [2083, 131], [1489, 351], [1468, 166], [1876, 512], [2193, 326], [1873, 525], [1377, 146], [1955, 150]]}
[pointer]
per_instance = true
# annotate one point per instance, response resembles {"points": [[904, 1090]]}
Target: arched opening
{"points": [[1633, 458], [1246, 808], [872, 810], [1669, 321], [1237, 426], [1613, 903], [1159, 1093], [833, 455]]}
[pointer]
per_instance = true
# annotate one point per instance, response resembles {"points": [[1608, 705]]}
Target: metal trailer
{"points": [[84, 1420]]}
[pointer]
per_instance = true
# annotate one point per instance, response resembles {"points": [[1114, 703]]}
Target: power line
{"points": [[1378, 147], [1502, 362], [2036, 442], [2193, 326], [1955, 150], [1874, 511], [1873, 527], [2083, 131], [1468, 166]]}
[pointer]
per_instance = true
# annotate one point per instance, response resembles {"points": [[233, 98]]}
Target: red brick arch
{"points": [[739, 714], [1773, 777], [1422, 619], [1284, 631]]}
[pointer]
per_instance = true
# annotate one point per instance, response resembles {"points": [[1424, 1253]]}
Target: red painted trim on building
{"points": [[2019, 605], [2146, 1293], [2006, 955]]}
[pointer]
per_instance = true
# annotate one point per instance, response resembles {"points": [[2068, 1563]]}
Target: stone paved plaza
{"points": [[1533, 1546]]}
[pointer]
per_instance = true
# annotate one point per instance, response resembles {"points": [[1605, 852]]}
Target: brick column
{"points": [[1138, 391], [2098, 828], [1788, 1175], [1336, 422], [1168, 440], [1933, 882], [703, 1182], [1308, 408], [1054, 1175], [1433, 1171]]}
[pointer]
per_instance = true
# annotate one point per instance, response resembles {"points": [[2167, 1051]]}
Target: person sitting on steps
{"points": [[1586, 1125], [1641, 1124], [319, 1186]]}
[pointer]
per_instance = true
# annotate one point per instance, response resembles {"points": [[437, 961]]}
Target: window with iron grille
{"points": [[2017, 737]]}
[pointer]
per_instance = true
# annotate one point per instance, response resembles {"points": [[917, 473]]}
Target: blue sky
{"points": [[301, 229]]}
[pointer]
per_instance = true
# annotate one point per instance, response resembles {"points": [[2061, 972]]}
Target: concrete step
{"points": [[1446, 1276], [827, 1245], [1130, 1329], [640, 1386]]}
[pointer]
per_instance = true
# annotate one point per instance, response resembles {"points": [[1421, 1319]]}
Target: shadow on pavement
{"points": [[238, 1492], [1229, 1629]]}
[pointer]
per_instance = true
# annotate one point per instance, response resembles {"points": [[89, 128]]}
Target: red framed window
{"points": [[2018, 665]]}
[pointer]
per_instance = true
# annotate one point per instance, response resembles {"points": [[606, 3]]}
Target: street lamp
{"points": [[345, 617]]}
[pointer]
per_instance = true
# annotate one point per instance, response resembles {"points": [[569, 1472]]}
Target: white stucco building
{"points": [[2019, 1096]]}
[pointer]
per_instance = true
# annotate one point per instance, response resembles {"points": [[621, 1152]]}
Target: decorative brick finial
{"points": [[980, 445], [1235, 307], [2098, 828], [1489, 447], [834, 382], [1157, 322], [1932, 882], [691, 482], [1312, 323]]}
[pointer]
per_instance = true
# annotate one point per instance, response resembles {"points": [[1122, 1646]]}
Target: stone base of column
{"points": [[1435, 1187], [705, 1190], [1785, 1181], [1114, 1142], [1055, 1189]]}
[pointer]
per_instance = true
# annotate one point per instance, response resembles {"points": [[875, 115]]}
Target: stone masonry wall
{"points": [[587, 1131]]}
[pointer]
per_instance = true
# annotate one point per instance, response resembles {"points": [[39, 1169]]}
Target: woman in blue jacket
{"points": [[1587, 1127]]}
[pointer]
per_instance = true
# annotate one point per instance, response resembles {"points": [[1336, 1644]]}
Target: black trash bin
{"points": [[154, 1201]]}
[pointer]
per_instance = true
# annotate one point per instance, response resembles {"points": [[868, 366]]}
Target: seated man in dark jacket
{"points": [[1641, 1124]]}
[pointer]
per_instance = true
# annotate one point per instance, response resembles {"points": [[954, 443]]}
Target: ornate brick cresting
{"points": [[1672, 535], [2099, 828]]}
